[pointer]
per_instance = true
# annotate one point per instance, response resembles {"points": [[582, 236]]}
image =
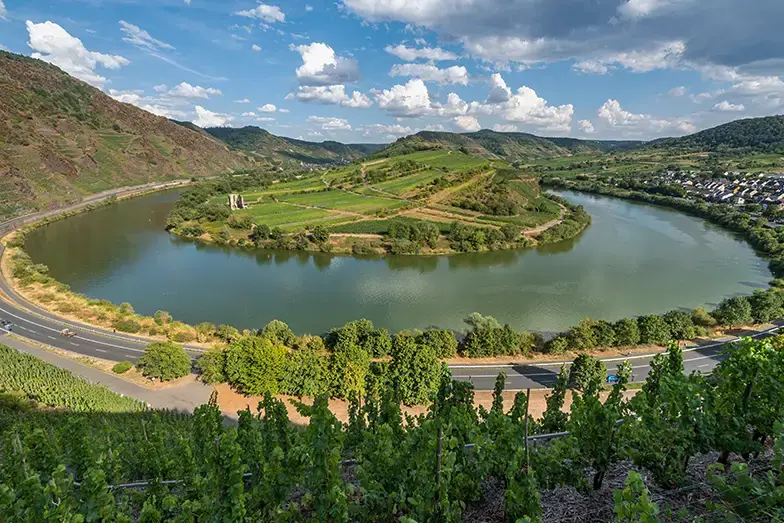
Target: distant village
{"points": [[736, 188]]}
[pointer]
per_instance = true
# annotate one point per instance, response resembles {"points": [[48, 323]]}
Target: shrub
{"points": [[162, 318], [654, 330], [240, 221], [306, 372], [701, 318], [443, 342], [361, 248], [227, 333], [122, 367], [765, 305], [627, 332], [415, 370], [260, 233], [557, 345], [255, 365], [320, 234], [348, 367], [511, 232], [126, 309], [279, 333], [734, 311], [127, 325], [203, 330], [165, 361], [182, 336], [582, 336], [586, 373], [67, 308], [681, 324], [212, 366]]}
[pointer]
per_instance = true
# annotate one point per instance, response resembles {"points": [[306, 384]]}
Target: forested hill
{"points": [[759, 134], [507, 146], [265, 145], [61, 139]]}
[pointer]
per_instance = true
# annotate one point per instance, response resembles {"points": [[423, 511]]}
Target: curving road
{"points": [[34, 324]]}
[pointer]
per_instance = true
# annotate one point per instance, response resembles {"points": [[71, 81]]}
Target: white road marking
{"points": [[101, 350], [74, 344], [52, 338]]}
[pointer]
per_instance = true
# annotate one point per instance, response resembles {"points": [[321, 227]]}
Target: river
{"points": [[634, 259]]}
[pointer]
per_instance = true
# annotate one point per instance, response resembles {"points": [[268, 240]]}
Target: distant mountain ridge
{"points": [[508, 146], [758, 134], [61, 139], [264, 145]]}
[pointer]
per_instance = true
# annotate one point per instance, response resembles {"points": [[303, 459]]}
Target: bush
{"points": [[255, 365], [320, 234], [627, 332], [165, 361], [586, 373], [765, 305], [348, 367], [260, 233], [162, 318], [240, 221], [212, 366], [734, 311], [489, 338], [279, 333], [127, 325], [227, 333], [681, 324], [443, 342], [654, 330], [306, 372], [126, 309], [701, 318], [122, 367], [182, 336], [557, 345], [415, 370]]}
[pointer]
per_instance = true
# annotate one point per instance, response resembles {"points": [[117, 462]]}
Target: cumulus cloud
{"points": [[725, 106], [256, 48], [677, 91], [409, 100], [409, 54], [150, 105], [53, 44], [330, 124], [394, 130], [587, 127], [728, 34], [612, 115], [264, 12], [467, 123], [283, 111], [662, 55], [505, 128], [268, 108], [140, 38], [454, 106], [243, 101], [499, 91], [331, 95], [457, 74], [321, 66], [3, 10], [186, 90], [205, 118]]}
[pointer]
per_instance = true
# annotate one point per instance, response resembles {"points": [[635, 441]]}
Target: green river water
{"points": [[634, 259]]}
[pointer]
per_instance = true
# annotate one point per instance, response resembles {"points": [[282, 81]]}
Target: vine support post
{"points": [[527, 407]]}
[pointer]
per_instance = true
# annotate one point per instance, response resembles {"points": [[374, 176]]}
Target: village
{"points": [[736, 188]]}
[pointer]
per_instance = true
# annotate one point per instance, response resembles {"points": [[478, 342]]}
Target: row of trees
{"points": [[384, 466]]}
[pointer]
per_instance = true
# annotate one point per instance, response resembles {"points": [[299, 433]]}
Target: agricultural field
{"points": [[344, 201]]}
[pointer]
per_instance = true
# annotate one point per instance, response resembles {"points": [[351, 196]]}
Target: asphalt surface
{"points": [[35, 324]]}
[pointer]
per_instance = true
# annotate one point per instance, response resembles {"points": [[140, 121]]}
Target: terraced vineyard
{"points": [[439, 189]]}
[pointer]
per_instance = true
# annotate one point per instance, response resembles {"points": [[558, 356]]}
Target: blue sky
{"points": [[375, 70]]}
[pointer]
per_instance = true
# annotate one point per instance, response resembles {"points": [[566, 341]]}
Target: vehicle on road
{"points": [[612, 378], [68, 333], [6, 325]]}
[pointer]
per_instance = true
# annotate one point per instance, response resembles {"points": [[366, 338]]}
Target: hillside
{"points": [[264, 144], [757, 134], [61, 139], [511, 147]]}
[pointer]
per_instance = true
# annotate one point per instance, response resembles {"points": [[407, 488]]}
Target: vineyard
{"points": [[51, 386], [454, 463]]}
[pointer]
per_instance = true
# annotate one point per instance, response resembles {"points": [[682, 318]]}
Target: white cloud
{"points": [[308, 8], [331, 95], [436, 128], [330, 124], [677, 91], [467, 123], [283, 111], [265, 119], [409, 100], [663, 55], [505, 128], [409, 54], [268, 108], [186, 90], [249, 115], [725, 106], [149, 104], [587, 127], [612, 115], [187, 2], [53, 44], [375, 128], [636, 9], [3, 10], [321, 66], [256, 48], [205, 118], [267, 13], [243, 101], [140, 38], [454, 106], [499, 91], [591, 67], [457, 74], [127, 97]]}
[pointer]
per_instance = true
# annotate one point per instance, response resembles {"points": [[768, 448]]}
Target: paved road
{"points": [[38, 325]]}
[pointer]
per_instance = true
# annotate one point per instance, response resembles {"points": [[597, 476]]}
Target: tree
{"points": [[348, 367], [443, 342], [511, 232], [165, 361], [279, 333], [734, 311], [654, 330], [255, 365], [415, 370], [260, 233], [586, 373], [681, 324], [203, 330], [306, 372], [701, 318], [227, 333], [604, 334], [320, 234], [240, 221], [276, 233], [212, 366], [765, 305], [162, 318], [582, 336]]}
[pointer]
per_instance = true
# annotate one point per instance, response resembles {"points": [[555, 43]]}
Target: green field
{"points": [[403, 185], [344, 201]]}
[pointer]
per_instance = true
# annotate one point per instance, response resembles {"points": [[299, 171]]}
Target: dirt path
{"points": [[365, 183], [548, 225]]}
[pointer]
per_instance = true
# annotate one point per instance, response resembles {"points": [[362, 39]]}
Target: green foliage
{"points": [[376, 342], [348, 367], [586, 373], [212, 366], [654, 330], [320, 234], [443, 342], [255, 365], [162, 318], [701, 318], [278, 333], [126, 325], [306, 372], [734, 311], [488, 338], [54, 387], [415, 370], [240, 221], [633, 504], [681, 324], [122, 367], [165, 361]]}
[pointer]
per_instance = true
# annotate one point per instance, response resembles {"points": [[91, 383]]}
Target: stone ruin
{"points": [[236, 202]]}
